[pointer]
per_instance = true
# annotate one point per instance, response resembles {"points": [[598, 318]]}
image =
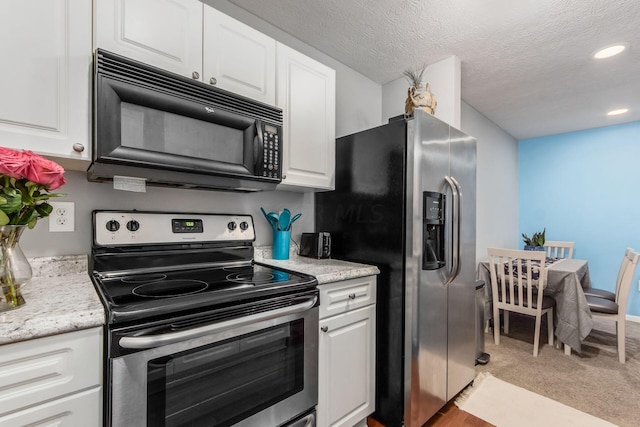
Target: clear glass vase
{"points": [[15, 270]]}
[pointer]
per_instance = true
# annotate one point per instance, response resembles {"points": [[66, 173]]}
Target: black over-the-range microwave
{"points": [[169, 130]]}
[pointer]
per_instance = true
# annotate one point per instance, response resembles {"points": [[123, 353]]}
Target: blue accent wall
{"points": [[585, 187]]}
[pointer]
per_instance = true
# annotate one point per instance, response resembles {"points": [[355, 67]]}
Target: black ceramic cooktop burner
{"points": [[169, 288]]}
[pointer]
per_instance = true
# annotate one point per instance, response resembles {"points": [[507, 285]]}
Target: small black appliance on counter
{"points": [[315, 245]]}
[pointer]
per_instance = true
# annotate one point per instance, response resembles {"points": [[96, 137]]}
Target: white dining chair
{"points": [[617, 310], [558, 249], [517, 281], [603, 293]]}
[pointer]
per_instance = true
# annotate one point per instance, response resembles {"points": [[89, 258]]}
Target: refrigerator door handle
{"points": [[458, 225], [455, 231]]}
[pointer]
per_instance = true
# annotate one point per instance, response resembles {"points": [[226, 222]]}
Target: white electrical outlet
{"points": [[62, 217]]}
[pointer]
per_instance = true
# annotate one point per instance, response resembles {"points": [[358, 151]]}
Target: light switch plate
{"points": [[62, 218]]}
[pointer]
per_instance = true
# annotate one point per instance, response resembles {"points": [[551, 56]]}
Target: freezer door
{"points": [[461, 292], [425, 292]]}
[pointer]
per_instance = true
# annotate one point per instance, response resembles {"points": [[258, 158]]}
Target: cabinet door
{"points": [[43, 369], [346, 371], [306, 94], [79, 409], [44, 77], [238, 58], [163, 33]]}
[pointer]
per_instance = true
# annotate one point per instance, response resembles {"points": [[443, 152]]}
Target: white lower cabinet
{"points": [[53, 381], [346, 383]]}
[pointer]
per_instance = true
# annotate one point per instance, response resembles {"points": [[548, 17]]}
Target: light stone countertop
{"points": [[325, 270], [60, 298]]}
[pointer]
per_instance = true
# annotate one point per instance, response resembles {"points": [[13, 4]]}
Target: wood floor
{"points": [[449, 416]]}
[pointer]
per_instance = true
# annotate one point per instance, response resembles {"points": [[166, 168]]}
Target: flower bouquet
{"points": [[26, 180]]}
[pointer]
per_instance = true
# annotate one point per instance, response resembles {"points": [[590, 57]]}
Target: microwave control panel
{"points": [[270, 166]]}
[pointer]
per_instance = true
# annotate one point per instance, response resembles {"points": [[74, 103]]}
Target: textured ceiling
{"points": [[525, 64]]}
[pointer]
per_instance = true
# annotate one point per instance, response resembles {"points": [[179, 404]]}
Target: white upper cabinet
{"points": [[194, 39], [45, 78], [238, 58], [306, 92], [163, 33]]}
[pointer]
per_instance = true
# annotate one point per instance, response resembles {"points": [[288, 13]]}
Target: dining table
{"points": [[566, 279]]}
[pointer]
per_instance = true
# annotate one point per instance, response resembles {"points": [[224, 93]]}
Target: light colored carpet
{"points": [[506, 405], [593, 382]]}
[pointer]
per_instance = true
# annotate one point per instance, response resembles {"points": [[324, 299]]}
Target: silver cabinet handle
{"points": [[213, 80], [151, 341], [78, 148], [352, 296], [324, 328], [195, 75]]}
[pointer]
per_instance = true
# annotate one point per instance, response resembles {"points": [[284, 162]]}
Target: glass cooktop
{"points": [[154, 293]]}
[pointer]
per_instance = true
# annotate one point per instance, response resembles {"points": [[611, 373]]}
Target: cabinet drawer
{"points": [[340, 297], [46, 368], [80, 409]]}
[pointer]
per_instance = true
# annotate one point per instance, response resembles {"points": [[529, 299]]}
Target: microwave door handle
{"points": [[258, 149], [151, 341]]}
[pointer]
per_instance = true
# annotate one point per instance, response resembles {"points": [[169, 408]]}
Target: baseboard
{"points": [[631, 318]]}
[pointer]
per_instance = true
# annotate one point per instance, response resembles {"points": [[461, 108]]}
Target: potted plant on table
{"points": [[535, 242]]}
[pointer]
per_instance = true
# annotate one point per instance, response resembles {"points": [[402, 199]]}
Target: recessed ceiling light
{"points": [[617, 112], [609, 51]]}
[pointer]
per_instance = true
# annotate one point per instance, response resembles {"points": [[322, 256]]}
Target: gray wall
{"points": [[496, 184], [358, 107]]}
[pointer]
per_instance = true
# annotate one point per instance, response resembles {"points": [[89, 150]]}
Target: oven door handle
{"points": [[151, 341]]}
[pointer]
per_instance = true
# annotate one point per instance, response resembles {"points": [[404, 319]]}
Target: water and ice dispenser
{"points": [[433, 225]]}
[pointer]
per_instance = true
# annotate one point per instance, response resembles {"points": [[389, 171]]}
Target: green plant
{"points": [[415, 75], [536, 240]]}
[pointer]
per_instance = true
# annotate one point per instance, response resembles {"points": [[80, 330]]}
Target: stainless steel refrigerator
{"points": [[405, 200]]}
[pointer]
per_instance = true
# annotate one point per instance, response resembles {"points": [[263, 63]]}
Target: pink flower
{"points": [[12, 163], [31, 166], [43, 171]]}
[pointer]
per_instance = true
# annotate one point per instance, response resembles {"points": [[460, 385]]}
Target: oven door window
{"points": [[226, 382]]}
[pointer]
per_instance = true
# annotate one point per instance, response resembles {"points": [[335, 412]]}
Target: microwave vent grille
{"points": [[131, 71]]}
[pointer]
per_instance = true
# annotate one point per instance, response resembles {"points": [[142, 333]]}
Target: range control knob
{"points": [[232, 226], [244, 225], [113, 225], [133, 225]]}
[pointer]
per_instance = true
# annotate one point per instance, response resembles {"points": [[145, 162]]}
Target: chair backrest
{"points": [[623, 267], [516, 277], [557, 249], [622, 295]]}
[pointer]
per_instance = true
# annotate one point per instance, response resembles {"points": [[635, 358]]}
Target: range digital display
{"points": [[187, 225]]}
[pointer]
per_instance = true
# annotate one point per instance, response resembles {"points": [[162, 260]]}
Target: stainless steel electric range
{"points": [[198, 334]]}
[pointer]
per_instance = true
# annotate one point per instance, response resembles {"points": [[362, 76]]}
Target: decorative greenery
{"points": [[415, 75], [536, 240]]}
